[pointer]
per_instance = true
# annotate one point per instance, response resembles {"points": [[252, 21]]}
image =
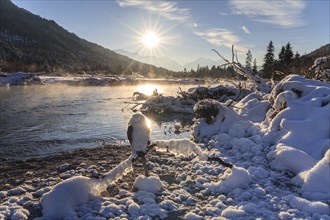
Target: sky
{"points": [[187, 30]]}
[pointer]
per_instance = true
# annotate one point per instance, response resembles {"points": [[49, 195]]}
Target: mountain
{"points": [[168, 63], [164, 62], [320, 52], [31, 43]]}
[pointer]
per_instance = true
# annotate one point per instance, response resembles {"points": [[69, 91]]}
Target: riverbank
{"points": [[34, 177], [279, 151], [19, 78], [15, 173]]}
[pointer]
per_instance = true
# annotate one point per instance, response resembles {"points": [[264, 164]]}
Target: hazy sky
{"points": [[188, 30]]}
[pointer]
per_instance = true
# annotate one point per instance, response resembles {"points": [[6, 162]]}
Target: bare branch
{"points": [[261, 84]]}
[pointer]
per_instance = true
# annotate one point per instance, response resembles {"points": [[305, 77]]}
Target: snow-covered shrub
{"points": [[220, 93], [301, 115], [298, 127], [319, 68], [220, 119], [207, 109], [161, 104]]}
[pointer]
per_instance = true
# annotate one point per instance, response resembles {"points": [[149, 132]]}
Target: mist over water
{"points": [[42, 120]]}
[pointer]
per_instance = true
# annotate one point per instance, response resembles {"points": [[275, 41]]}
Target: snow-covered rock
{"points": [[150, 184], [236, 177]]}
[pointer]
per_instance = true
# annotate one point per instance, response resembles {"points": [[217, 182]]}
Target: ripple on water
{"points": [[42, 120]]}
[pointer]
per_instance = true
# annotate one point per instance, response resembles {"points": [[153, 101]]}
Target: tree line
{"points": [[287, 63]]}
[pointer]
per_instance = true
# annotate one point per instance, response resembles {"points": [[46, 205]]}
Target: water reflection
{"points": [[148, 89], [172, 123], [41, 120]]}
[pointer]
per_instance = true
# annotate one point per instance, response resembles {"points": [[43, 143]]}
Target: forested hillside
{"points": [[31, 43]]}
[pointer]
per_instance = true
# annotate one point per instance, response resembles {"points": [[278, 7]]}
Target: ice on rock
{"points": [[150, 184]]}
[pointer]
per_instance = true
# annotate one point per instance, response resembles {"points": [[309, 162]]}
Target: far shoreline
{"points": [[21, 78]]}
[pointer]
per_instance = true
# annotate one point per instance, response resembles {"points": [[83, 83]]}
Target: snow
{"points": [[150, 184], [281, 159], [19, 78], [278, 143], [236, 177], [317, 180], [308, 206], [64, 197], [181, 147], [61, 201], [232, 212], [16, 191], [192, 216]]}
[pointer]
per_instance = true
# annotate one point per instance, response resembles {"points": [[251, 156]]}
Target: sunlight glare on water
{"points": [[42, 120], [148, 89]]}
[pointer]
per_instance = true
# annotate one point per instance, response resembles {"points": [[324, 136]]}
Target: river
{"points": [[40, 120]]}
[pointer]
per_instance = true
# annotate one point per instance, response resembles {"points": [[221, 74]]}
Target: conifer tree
{"points": [[254, 69], [268, 67], [248, 61], [288, 56], [281, 55]]}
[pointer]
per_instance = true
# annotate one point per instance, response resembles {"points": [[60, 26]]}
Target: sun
{"points": [[150, 39]]}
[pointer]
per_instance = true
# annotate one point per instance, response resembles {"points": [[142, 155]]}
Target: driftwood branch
{"points": [[238, 67]]}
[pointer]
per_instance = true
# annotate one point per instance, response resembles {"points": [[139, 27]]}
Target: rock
{"points": [[64, 167]]}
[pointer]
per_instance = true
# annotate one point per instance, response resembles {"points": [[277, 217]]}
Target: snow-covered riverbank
{"points": [[279, 145], [11, 79]]}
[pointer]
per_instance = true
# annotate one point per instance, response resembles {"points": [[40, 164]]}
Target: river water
{"points": [[43, 120]]}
